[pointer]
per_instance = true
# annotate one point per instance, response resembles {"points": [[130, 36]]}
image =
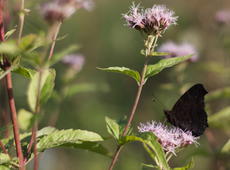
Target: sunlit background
{"points": [[105, 41]]}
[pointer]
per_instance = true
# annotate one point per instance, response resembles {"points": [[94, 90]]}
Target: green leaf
{"points": [[46, 131], [31, 42], [68, 136], [13, 66], [9, 33], [90, 146], [226, 147], [126, 71], [25, 137], [156, 53], [162, 64], [59, 55], [25, 72], [4, 158], [112, 127], [25, 119], [152, 142], [149, 165], [5, 167], [9, 48], [188, 166], [48, 86], [221, 119], [148, 139], [223, 93], [46, 78], [4, 73], [72, 138]]}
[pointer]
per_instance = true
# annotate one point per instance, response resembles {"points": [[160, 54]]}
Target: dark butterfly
{"points": [[188, 113]]}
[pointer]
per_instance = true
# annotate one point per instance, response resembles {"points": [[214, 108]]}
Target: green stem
{"points": [[21, 20]]}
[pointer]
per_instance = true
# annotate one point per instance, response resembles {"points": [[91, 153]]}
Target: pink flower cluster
{"points": [[153, 20], [176, 50], [58, 10], [223, 16], [75, 61], [170, 138]]}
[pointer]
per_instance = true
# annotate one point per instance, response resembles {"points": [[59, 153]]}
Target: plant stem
{"points": [[132, 113], [137, 98], [115, 157], [21, 20], [14, 121], [9, 87], [54, 33], [152, 42]]}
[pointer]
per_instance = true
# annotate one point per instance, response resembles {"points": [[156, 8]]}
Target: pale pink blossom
{"points": [[153, 20], [177, 50], [223, 16], [58, 10], [75, 61], [171, 137]]}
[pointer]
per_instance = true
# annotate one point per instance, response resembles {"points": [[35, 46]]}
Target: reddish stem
{"points": [[14, 121], [11, 97]]}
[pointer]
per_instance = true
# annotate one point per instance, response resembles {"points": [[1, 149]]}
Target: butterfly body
{"points": [[188, 113]]}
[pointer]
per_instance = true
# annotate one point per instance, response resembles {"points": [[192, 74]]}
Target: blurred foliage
{"points": [[102, 37]]}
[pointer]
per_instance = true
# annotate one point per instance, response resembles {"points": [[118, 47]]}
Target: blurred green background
{"points": [[105, 41]]}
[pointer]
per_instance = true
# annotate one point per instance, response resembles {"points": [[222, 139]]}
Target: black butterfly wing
{"points": [[188, 113]]}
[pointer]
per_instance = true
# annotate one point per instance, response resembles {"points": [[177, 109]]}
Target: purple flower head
{"points": [[170, 138], [177, 50], [223, 16], [58, 10], [153, 20], [75, 61]]}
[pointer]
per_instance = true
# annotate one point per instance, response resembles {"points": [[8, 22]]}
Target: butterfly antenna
{"points": [[159, 102]]}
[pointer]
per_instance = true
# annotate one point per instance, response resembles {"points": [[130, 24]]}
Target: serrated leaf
{"points": [[58, 56], [46, 131], [223, 93], [156, 53], [4, 158], [124, 70], [162, 64], [25, 119], [47, 78], [90, 146], [220, 119], [25, 137], [68, 136], [186, 167], [226, 147], [112, 127], [148, 139], [25, 72]]}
